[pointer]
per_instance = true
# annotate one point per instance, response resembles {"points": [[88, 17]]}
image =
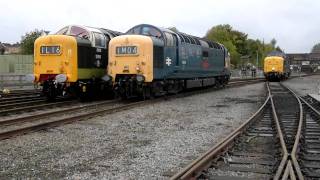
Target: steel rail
{"points": [[8, 99], [194, 169], [203, 161], [37, 127], [31, 118], [282, 142], [58, 122], [294, 151], [24, 103], [310, 106], [33, 107]]}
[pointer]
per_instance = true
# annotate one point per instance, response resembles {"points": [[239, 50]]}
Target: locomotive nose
{"points": [[131, 56]]}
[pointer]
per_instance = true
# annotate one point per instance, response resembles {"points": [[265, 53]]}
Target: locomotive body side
{"points": [[152, 61]]}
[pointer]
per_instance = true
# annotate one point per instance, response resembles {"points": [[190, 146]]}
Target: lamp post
{"points": [[257, 64]]}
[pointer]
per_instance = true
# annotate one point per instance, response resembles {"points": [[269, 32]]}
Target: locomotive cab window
{"points": [[150, 31], [135, 30], [79, 32], [63, 31], [99, 40]]}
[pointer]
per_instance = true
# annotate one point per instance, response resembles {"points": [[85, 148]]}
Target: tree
{"points": [[224, 35], [316, 48], [239, 45], [2, 49], [279, 49], [273, 42], [27, 41]]}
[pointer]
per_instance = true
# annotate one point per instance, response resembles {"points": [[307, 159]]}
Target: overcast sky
{"points": [[295, 24]]}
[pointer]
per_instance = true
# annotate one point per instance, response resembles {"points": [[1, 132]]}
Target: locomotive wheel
{"points": [[147, 93], [84, 93], [51, 94]]}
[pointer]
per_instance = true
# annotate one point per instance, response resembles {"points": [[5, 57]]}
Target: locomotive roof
{"points": [[101, 30], [114, 33], [186, 38], [276, 53]]}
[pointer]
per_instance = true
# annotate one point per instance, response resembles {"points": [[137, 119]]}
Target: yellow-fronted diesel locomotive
{"points": [[151, 61], [276, 67], [72, 61]]}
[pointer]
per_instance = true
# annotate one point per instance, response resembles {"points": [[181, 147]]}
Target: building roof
{"points": [[304, 56]]}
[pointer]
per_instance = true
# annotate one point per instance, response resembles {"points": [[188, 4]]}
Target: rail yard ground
{"points": [[149, 142]]}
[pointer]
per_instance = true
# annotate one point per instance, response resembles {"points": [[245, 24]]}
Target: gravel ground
{"points": [[148, 142], [305, 85]]}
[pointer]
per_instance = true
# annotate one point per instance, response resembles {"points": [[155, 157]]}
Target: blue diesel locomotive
{"points": [[150, 61]]}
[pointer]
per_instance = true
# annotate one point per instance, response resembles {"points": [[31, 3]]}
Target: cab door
{"points": [[171, 52]]}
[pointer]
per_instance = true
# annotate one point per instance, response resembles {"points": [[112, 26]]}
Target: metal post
{"points": [[318, 87], [257, 66], [257, 59], [1, 82]]}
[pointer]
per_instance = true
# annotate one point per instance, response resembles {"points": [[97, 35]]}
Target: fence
{"points": [[13, 69], [16, 64]]}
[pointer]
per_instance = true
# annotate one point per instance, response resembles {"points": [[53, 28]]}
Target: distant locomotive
{"points": [[150, 61], [72, 61], [276, 66]]}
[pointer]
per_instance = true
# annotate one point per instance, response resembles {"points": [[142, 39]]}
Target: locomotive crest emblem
{"points": [[168, 61]]}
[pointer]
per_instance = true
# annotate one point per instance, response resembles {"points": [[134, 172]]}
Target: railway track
{"points": [[266, 146], [11, 100], [312, 101], [19, 93], [21, 125], [19, 105], [29, 123], [30, 105], [271, 144], [309, 154]]}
